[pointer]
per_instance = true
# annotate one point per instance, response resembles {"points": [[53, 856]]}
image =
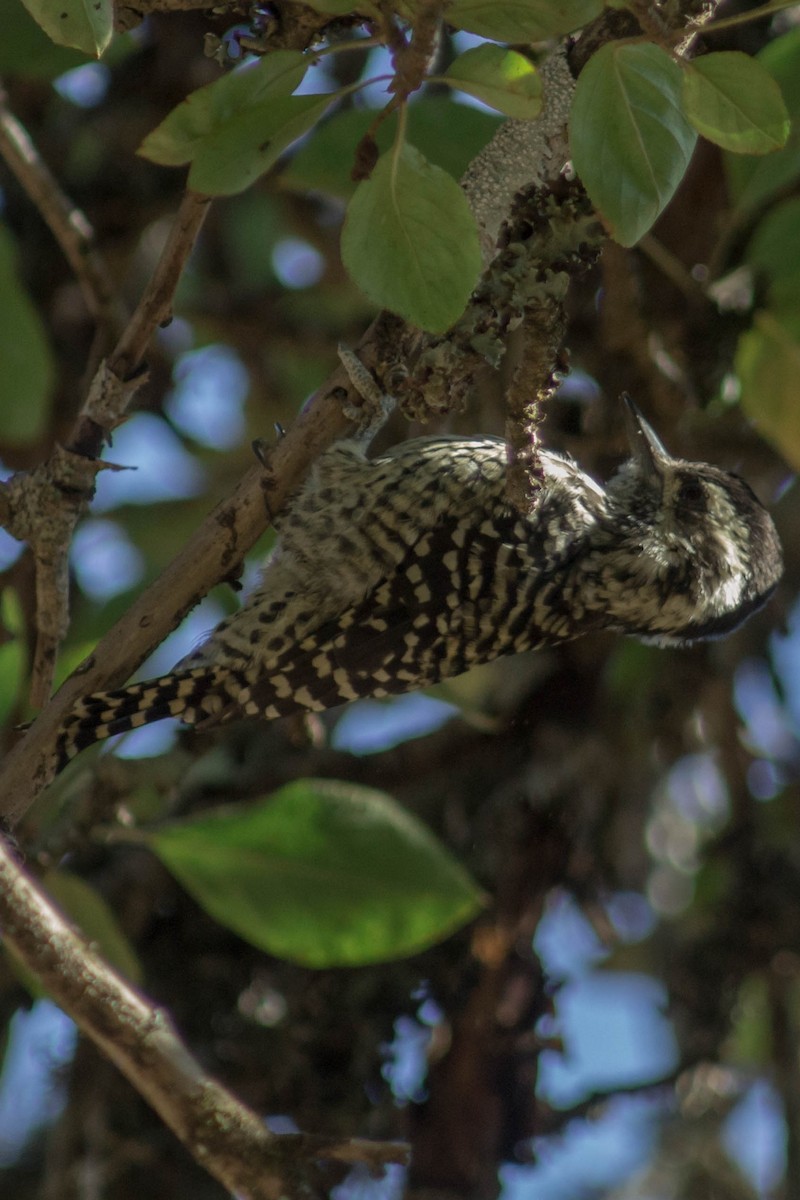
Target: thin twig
{"points": [[155, 306], [63, 486], [225, 1137], [45, 505], [673, 269], [66, 221], [43, 523]]}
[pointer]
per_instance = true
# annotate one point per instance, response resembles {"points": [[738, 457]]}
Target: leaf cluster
{"points": [[637, 110]]}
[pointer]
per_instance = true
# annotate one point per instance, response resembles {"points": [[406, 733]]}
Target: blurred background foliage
{"points": [[622, 1021]]}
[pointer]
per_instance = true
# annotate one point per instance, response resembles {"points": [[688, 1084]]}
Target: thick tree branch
{"points": [[522, 154], [229, 1140]]}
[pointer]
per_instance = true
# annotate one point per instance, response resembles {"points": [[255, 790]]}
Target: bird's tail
{"points": [[191, 695]]}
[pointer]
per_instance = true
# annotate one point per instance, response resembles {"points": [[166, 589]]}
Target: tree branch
{"points": [[228, 1139], [213, 553], [66, 221], [42, 507], [220, 544]]}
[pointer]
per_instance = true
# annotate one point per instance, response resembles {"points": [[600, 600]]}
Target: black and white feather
{"points": [[395, 572]]}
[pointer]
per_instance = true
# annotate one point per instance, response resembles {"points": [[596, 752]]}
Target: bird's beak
{"points": [[647, 448]]}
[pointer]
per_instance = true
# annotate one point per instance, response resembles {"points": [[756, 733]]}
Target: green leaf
{"points": [[631, 143], [322, 873], [749, 1043], [13, 656], [251, 225], [754, 181], [232, 158], [733, 101], [85, 25], [90, 912], [11, 612], [27, 51], [768, 365], [500, 78], [521, 20], [12, 673], [629, 669], [410, 241], [71, 656], [208, 111], [325, 161], [28, 374], [767, 254]]}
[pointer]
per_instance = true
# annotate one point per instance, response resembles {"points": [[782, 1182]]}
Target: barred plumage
{"points": [[393, 573]]}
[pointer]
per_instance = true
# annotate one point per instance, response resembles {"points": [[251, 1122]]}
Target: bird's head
{"points": [[689, 552]]}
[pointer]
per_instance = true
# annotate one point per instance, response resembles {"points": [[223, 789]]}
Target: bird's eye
{"points": [[691, 494]]}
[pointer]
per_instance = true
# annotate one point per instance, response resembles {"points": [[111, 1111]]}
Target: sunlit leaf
{"points": [[322, 873], [410, 241], [753, 181], [503, 79], [26, 50], [733, 101], [85, 25], [767, 254], [768, 366], [631, 143]]}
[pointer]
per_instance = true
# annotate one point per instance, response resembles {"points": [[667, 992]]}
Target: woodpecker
{"points": [[392, 573]]}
